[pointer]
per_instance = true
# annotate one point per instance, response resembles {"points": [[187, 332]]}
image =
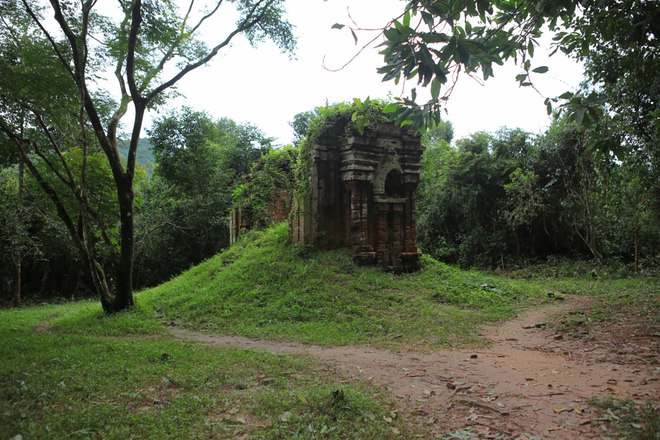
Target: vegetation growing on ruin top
{"points": [[357, 114]]}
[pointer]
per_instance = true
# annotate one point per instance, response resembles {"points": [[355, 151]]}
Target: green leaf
{"points": [[579, 115], [406, 19], [595, 99], [541, 69], [435, 89], [354, 36], [338, 26], [428, 19], [391, 108]]}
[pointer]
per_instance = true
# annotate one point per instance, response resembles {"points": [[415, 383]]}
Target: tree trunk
{"points": [[42, 289], [18, 256], [124, 284], [123, 295], [591, 244], [638, 226], [17, 292]]}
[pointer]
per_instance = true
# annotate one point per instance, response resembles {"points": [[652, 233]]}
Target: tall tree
{"points": [[53, 99], [183, 217]]}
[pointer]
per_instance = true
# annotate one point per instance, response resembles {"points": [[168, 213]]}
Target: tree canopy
{"points": [[434, 41], [54, 99]]}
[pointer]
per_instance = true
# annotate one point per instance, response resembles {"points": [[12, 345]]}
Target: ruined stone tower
{"points": [[361, 194]]}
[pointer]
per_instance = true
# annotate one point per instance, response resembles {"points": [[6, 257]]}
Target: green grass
{"points": [[67, 381], [70, 371], [264, 287], [629, 419], [618, 293]]}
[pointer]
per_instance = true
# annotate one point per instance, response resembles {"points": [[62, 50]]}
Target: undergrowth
{"points": [[629, 419]]}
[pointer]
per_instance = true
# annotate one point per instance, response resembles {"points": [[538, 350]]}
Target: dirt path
{"points": [[529, 383]]}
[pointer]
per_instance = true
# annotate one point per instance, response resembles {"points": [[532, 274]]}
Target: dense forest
{"points": [[87, 211], [491, 200]]}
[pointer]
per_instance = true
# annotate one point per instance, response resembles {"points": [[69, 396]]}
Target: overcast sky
{"points": [[265, 88]]}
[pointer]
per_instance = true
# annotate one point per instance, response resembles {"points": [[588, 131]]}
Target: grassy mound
{"points": [[265, 287]]}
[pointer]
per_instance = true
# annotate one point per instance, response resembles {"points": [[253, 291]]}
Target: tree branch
{"points": [[50, 39], [70, 182], [247, 24]]}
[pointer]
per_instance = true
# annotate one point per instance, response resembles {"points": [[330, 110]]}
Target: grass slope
{"points": [[264, 287]]}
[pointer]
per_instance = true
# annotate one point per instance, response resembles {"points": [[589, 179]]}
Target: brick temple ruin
{"points": [[279, 208], [362, 195]]}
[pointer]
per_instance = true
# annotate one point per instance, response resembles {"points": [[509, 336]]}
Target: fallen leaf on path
{"points": [[286, 416], [560, 410]]}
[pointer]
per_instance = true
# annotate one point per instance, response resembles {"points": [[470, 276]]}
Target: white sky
{"points": [[263, 87]]}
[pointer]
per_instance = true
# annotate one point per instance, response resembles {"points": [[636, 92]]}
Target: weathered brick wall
{"points": [[362, 195], [279, 207]]}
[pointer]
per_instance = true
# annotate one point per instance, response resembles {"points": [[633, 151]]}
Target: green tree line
{"points": [[498, 199], [489, 200], [181, 215]]}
